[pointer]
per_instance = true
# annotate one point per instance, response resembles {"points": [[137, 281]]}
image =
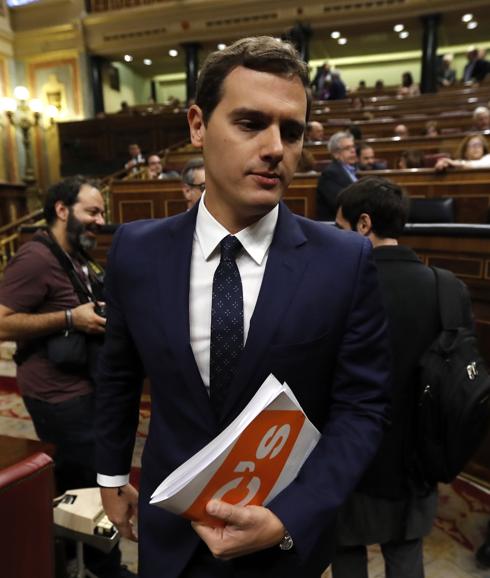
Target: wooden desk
{"points": [[470, 189], [14, 450], [140, 199], [13, 202]]}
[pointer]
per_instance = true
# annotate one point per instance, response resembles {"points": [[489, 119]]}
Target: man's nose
{"points": [[99, 219], [272, 148]]}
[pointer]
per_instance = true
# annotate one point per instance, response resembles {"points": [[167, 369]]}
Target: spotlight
{"points": [[147, 61], [342, 40], [404, 34], [335, 34], [128, 58], [398, 27], [173, 53], [472, 25], [467, 17]]}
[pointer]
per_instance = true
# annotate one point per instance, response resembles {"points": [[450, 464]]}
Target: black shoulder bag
{"points": [[71, 350]]}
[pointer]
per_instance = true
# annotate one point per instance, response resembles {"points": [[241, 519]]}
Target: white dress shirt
{"points": [[251, 261]]}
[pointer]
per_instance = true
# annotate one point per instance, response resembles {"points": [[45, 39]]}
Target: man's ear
{"points": [[364, 225], [61, 211], [186, 192], [196, 125]]}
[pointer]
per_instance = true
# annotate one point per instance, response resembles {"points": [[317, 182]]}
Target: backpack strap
{"points": [[449, 299]]}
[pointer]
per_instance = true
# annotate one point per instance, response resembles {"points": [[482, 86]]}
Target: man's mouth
{"points": [[266, 179]]}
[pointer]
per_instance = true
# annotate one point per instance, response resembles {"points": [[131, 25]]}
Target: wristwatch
{"points": [[287, 542]]}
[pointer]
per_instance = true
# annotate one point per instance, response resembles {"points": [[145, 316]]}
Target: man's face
{"points": [[482, 120], [155, 165], [346, 152], [134, 150], [366, 158], [251, 144], [85, 218], [193, 192], [316, 131], [341, 222]]}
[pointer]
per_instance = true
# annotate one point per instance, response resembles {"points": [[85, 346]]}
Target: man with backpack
{"points": [[51, 305], [395, 504]]}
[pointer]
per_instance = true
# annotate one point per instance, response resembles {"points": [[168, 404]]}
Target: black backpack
{"points": [[453, 410]]}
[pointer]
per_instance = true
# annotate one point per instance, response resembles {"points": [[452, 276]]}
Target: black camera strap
{"points": [[84, 293]]}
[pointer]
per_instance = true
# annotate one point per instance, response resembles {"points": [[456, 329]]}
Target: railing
{"points": [[9, 236], [106, 5]]}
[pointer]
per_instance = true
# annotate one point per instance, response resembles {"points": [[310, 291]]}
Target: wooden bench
{"points": [[140, 199], [390, 149]]}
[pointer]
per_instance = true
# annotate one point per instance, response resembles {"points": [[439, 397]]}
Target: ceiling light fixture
{"points": [[173, 53], [472, 25], [335, 34], [398, 27], [221, 46], [467, 17], [404, 34], [147, 61], [128, 58], [342, 40]]}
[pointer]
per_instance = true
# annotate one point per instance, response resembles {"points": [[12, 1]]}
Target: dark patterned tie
{"points": [[226, 322]]}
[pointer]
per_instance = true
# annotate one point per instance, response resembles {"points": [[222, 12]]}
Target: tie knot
{"points": [[229, 247]]}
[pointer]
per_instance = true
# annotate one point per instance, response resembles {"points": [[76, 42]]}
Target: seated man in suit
{"points": [[193, 181], [303, 303], [340, 173], [314, 131], [367, 159]]}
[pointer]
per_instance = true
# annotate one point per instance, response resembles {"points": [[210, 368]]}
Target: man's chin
{"points": [[87, 242]]}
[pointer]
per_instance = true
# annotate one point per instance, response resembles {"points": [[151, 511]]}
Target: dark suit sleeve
{"points": [[328, 187], [358, 414], [119, 379]]}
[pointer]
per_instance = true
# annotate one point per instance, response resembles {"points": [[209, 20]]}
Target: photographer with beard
{"points": [[51, 293]]}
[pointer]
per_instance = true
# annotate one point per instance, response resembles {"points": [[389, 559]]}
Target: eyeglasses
{"points": [[200, 186]]}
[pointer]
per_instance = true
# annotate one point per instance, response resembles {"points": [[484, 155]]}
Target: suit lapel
{"points": [[285, 266], [174, 282]]}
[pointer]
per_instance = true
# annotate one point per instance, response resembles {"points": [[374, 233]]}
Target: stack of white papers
{"points": [[249, 462]]}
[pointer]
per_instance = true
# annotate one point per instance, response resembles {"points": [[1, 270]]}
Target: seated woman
{"points": [[473, 153], [408, 87]]}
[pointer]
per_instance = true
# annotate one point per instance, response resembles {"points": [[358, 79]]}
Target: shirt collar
{"points": [[255, 239]]}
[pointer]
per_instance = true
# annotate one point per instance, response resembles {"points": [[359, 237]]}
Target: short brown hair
{"points": [[261, 53]]}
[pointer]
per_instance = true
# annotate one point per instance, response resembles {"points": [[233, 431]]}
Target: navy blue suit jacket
{"points": [[318, 325], [333, 179]]}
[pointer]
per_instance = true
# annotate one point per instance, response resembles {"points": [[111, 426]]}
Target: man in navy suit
{"points": [[338, 175], [312, 316]]}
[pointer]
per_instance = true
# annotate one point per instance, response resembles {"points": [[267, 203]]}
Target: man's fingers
{"points": [[126, 530]]}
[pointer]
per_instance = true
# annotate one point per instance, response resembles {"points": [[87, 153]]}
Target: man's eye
{"points": [[292, 134], [250, 125]]}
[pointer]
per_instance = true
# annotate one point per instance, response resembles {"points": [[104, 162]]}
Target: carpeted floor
{"points": [[464, 508]]}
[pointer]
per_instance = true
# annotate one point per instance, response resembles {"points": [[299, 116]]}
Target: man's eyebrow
{"points": [[252, 113], [248, 113]]}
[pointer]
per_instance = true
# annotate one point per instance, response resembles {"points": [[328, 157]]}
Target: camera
{"points": [[100, 309]]}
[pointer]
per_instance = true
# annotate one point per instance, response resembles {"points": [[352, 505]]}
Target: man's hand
{"points": [[85, 319], [121, 506], [247, 529]]}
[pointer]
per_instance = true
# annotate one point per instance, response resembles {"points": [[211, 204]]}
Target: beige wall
{"points": [[133, 89]]}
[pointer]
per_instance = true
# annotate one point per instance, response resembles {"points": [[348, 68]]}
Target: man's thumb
{"points": [[223, 511]]}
